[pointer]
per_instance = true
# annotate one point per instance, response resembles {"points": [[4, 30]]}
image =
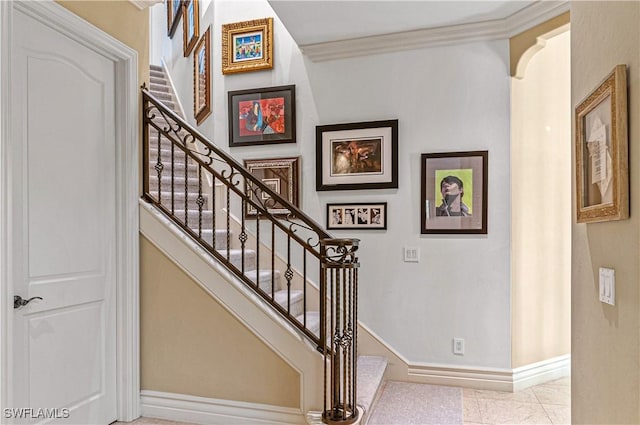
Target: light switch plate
{"points": [[607, 286], [411, 254]]}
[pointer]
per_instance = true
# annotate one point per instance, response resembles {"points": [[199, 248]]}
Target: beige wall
{"points": [[191, 345], [541, 205], [123, 21], [606, 339], [522, 42]]}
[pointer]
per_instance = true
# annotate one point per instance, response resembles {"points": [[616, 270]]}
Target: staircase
{"points": [[207, 194], [268, 280]]}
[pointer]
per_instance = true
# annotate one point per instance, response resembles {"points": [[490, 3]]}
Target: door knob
{"points": [[19, 301]]}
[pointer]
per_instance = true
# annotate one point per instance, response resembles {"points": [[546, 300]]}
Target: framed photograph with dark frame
{"points": [[190, 26], [361, 155], [247, 46], [202, 78], [357, 216], [174, 12], [602, 167], [278, 174], [454, 192], [262, 116]]}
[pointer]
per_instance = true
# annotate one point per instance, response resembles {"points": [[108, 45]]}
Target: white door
{"points": [[62, 228]]}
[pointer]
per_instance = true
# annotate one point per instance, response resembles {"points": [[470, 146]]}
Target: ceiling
{"points": [[312, 22]]}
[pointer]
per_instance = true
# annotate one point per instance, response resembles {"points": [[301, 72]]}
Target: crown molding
{"points": [[143, 4], [496, 29]]}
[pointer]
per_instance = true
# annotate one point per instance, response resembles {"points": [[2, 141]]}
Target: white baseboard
{"points": [[201, 410], [541, 372], [495, 379]]}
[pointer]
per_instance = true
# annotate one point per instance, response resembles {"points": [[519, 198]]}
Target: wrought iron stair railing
{"points": [[228, 212]]}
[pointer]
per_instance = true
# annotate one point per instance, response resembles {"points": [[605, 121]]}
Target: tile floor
{"points": [[548, 404]]}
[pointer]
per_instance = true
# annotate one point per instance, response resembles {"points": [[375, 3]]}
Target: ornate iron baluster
{"points": [[340, 266], [243, 238], [273, 259], [199, 201], [304, 287], [158, 167], [288, 274], [173, 185], [186, 192]]}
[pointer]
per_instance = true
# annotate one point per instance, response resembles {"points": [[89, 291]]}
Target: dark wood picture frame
{"points": [[174, 12], [247, 46], [281, 175], [454, 192], [190, 26], [202, 78], [357, 216], [361, 155], [602, 164], [262, 116]]}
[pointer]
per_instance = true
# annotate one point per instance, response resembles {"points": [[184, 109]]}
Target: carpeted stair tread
{"points": [[178, 200], [235, 257], [221, 237], [158, 88], [193, 218], [369, 380], [155, 67], [313, 321], [178, 183], [296, 305], [157, 80], [265, 279]]}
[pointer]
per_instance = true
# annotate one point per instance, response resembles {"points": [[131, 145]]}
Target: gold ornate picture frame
{"points": [[247, 46], [202, 78], [174, 12], [602, 168], [191, 25]]}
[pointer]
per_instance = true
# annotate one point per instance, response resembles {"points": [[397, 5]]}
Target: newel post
{"points": [[339, 328]]}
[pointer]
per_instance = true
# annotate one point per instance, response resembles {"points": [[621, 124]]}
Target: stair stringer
{"points": [[250, 310]]}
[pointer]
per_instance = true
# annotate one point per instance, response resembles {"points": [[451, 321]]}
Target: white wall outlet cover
{"points": [[458, 346], [411, 254], [607, 286]]}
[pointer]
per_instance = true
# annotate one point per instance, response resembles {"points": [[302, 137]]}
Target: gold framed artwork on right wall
{"points": [[602, 168]]}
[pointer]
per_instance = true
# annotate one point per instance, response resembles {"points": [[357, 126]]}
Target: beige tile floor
{"points": [[548, 403]]}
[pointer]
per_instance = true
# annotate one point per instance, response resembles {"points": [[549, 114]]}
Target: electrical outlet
{"points": [[411, 254], [458, 346]]}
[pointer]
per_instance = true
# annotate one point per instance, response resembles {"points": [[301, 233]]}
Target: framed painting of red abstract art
{"points": [[262, 116], [361, 155], [454, 192]]}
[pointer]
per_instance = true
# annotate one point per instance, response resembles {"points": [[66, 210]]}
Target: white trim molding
{"points": [[541, 372], [188, 408], [495, 379], [143, 4], [127, 181], [496, 29], [482, 378]]}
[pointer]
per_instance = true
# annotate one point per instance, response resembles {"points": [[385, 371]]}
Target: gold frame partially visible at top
{"points": [[237, 28], [615, 87]]}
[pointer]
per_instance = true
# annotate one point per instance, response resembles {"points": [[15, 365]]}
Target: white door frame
{"points": [[127, 182]]}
